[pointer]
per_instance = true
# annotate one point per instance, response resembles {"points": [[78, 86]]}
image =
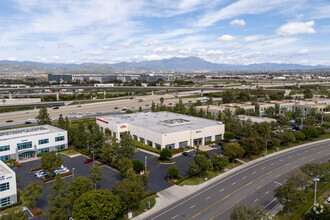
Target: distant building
{"points": [[58, 77], [305, 109], [255, 119], [8, 189], [262, 107], [164, 129], [24, 143], [284, 106]]}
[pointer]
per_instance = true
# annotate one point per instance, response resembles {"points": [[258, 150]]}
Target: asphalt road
{"points": [[250, 186], [107, 107]]}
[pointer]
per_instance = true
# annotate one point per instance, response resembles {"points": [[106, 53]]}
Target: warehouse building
{"points": [[164, 129], [24, 143], [8, 190]]}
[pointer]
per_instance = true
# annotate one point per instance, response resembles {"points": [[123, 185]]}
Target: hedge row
{"points": [[183, 178], [138, 144], [34, 169], [146, 195], [52, 178]]}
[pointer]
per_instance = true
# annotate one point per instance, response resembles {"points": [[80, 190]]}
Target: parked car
{"points": [[44, 176], [147, 105], [79, 116], [9, 121], [72, 113], [88, 160], [38, 172], [78, 106], [115, 108], [190, 101], [56, 107], [98, 113]]}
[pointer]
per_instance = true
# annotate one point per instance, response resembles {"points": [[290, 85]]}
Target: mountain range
{"points": [[175, 64]]}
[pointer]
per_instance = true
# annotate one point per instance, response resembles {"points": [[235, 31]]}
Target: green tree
{"points": [[161, 100], [203, 153], [299, 136], [140, 109], [79, 186], [127, 146], [61, 122], [232, 151], [209, 101], [165, 154], [43, 117], [244, 213], [124, 164], [310, 132], [288, 196], [95, 174], [219, 162], [287, 137], [200, 164], [110, 154], [153, 106], [263, 129], [316, 170], [173, 171], [228, 136], [59, 204], [101, 204], [308, 94], [107, 131], [15, 215], [129, 191], [51, 161], [96, 138], [284, 120], [32, 193], [138, 165], [300, 179], [227, 97], [80, 136]]}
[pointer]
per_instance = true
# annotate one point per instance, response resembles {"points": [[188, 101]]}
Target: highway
{"points": [[251, 186], [108, 107]]}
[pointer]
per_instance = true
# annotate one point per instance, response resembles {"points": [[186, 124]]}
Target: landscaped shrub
{"points": [[146, 147]]}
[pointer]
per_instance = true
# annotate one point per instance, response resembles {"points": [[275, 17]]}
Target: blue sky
{"points": [[219, 31]]}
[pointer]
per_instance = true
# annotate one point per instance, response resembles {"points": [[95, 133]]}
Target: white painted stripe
{"points": [[243, 178], [263, 168], [221, 190], [175, 216], [270, 202], [254, 172], [256, 200], [233, 183], [208, 198], [192, 206], [266, 192]]}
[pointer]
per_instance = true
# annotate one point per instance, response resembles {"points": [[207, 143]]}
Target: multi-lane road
{"points": [[251, 186], [102, 108]]}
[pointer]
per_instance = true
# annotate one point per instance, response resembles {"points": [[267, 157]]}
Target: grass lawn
{"points": [[69, 152], [142, 207], [195, 180]]}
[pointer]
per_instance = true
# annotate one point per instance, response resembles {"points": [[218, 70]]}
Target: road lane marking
{"points": [[269, 203], [208, 198], [221, 190], [266, 192], [289, 156], [175, 216], [256, 200], [243, 178], [198, 193], [192, 206], [264, 185], [197, 214], [233, 183], [254, 172]]}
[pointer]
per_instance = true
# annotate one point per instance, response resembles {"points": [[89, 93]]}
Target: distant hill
{"points": [[175, 64]]}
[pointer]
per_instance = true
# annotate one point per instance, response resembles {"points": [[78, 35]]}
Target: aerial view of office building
{"points": [[8, 190], [164, 129], [24, 143], [262, 107]]}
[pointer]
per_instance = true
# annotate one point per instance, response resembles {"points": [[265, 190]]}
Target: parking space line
{"points": [[175, 216], [254, 172], [243, 178], [266, 192], [233, 183], [256, 200]]}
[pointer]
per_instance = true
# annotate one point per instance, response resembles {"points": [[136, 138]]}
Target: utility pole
{"points": [[315, 181], [145, 164]]}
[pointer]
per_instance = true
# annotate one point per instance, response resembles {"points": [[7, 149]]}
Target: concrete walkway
{"points": [[175, 193]]}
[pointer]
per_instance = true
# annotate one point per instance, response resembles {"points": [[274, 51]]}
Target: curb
{"points": [[203, 185]]}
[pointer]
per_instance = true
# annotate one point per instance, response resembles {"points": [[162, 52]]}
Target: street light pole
{"points": [[73, 173], [145, 164], [93, 158], [267, 145], [315, 181]]}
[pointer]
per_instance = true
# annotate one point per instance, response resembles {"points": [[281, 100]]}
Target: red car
{"points": [[88, 160]]}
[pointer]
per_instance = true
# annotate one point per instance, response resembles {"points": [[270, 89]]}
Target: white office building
{"points": [[164, 129], [8, 191], [24, 143]]}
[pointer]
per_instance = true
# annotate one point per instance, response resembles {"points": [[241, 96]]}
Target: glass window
{"points": [[149, 143], [207, 139], [114, 135], [60, 138], [43, 150], [183, 144], [158, 146], [60, 147], [142, 140], [4, 186], [135, 137], [25, 145], [5, 158], [218, 137], [43, 141], [170, 146], [4, 148], [5, 201]]}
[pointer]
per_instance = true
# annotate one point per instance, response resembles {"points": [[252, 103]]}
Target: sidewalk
{"points": [[175, 193]]}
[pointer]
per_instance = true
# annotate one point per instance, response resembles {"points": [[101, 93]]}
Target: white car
{"points": [[79, 116], [31, 119]]}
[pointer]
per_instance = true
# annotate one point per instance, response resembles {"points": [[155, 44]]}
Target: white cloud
{"points": [[94, 53], [55, 58], [253, 38], [296, 28], [11, 58], [226, 37], [239, 22]]}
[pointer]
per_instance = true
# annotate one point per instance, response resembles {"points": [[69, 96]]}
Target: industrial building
{"points": [[24, 143], [164, 129], [8, 189]]}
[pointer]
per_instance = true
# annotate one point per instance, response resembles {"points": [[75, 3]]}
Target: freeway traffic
{"points": [[250, 186]]}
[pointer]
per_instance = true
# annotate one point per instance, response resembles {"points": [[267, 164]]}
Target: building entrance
{"points": [[26, 155], [197, 141]]}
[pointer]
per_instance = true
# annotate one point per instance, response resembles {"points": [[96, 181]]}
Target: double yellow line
{"points": [[253, 182]]}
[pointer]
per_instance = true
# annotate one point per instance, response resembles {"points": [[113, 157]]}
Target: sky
{"points": [[219, 31]]}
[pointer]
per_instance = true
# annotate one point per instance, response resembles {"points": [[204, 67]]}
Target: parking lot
{"points": [[109, 179]]}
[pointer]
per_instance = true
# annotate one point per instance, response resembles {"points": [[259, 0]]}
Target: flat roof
{"points": [[28, 131], [163, 122], [4, 169]]}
